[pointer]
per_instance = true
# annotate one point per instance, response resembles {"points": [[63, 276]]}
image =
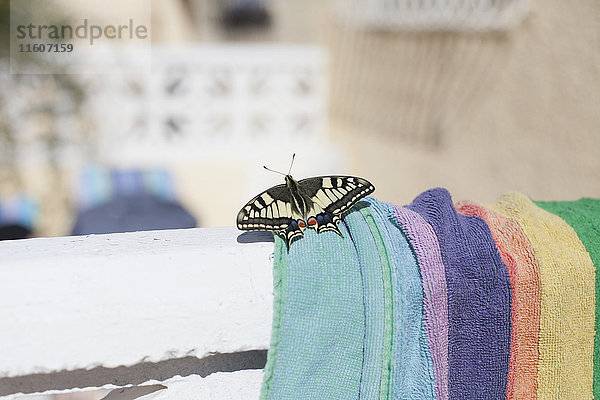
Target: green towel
{"points": [[584, 217]]}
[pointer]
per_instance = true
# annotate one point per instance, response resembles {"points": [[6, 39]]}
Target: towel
{"points": [[584, 217], [565, 367], [376, 298], [413, 376], [517, 254], [415, 303], [348, 314], [478, 299], [317, 350], [280, 266], [425, 245]]}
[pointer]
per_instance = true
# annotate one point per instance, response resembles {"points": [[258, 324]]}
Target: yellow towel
{"points": [[565, 367]]}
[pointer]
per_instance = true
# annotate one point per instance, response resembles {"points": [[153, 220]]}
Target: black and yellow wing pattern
{"points": [[316, 203]]}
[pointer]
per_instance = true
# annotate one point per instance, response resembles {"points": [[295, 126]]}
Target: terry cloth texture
{"points": [[318, 343], [376, 297], [280, 266], [348, 314], [425, 245], [584, 217], [567, 278], [517, 254], [413, 376], [376, 362], [478, 299]]}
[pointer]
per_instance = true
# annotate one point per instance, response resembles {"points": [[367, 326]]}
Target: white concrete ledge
{"points": [[117, 300]]}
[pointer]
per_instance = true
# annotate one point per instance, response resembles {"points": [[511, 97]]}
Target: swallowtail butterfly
{"points": [[315, 203]]}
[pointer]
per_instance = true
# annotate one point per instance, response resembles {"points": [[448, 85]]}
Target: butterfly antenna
{"points": [[292, 163], [277, 172]]}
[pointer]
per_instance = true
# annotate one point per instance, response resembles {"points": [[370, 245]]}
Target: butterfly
{"points": [[316, 203]]}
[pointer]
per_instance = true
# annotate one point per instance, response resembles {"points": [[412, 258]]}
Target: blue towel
{"points": [[413, 366]]}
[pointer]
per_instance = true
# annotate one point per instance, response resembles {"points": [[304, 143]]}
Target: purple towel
{"points": [[478, 299], [424, 243]]}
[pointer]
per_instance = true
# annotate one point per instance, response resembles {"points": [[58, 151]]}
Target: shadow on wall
{"points": [[136, 374]]}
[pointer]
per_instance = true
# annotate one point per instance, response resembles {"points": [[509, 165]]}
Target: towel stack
{"points": [[437, 301]]}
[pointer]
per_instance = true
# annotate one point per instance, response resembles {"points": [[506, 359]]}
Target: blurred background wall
{"points": [[479, 111]]}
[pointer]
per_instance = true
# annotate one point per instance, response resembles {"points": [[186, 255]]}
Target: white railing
{"points": [[197, 101], [188, 309]]}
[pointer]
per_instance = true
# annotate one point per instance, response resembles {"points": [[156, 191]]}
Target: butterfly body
{"points": [[315, 203], [301, 203]]}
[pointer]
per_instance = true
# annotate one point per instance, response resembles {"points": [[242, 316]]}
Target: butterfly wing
{"points": [[333, 195], [327, 196], [271, 210]]}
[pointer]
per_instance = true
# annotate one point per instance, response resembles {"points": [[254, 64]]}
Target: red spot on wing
{"points": [[301, 223], [312, 221]]}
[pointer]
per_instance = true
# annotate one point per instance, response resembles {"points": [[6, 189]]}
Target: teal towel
{"points": [[348, 314], [319, 320], [413, 367], [378, 334]]}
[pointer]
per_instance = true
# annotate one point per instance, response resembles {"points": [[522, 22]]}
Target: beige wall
{"points": [[477, 113]]}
